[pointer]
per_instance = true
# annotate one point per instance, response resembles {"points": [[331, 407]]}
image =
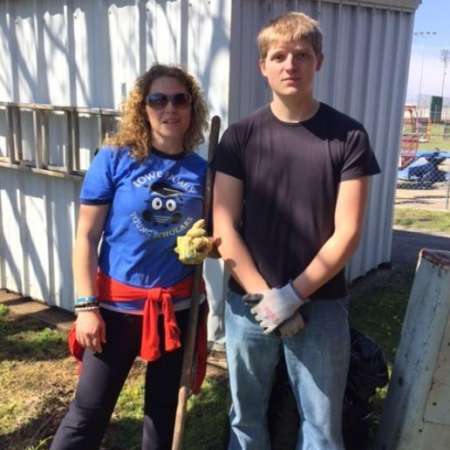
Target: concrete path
{"points": [[19, 305], [406, 244]]}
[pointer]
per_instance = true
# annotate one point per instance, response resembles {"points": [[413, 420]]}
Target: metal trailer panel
{"points": [[416, 409], [84, 53], [365, 71], [87, 54]]}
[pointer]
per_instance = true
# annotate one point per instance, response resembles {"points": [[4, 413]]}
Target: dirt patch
{"points": [[436, 198], [37, 381]]}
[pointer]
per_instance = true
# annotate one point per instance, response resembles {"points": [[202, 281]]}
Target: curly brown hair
{"points": [[134, 128]]}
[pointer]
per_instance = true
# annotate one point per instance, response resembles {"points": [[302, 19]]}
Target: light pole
{"points": [[423, 34], [445, 58]]}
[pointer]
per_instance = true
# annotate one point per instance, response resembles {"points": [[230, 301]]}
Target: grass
{"points": [[418, 219], [38, 377], [38, 380], [436, 138]]}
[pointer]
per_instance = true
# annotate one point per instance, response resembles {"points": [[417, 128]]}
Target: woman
{"points": [[142, 191]]}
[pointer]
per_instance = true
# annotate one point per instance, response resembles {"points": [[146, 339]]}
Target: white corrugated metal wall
{"points": [[367, 52], [87, 53]]}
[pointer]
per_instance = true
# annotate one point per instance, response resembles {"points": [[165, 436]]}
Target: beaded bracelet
{"points": [[88, 305], [86, 300], [86, 308]]}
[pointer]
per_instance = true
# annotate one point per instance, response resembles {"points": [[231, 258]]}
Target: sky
{"points": [[431, 16]]}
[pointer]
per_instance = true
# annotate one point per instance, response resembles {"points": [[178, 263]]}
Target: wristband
{"points": [[86, 300]]}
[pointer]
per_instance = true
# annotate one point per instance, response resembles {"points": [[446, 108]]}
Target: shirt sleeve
{"points": [[228, 155], [359, 159], [98, 185]]}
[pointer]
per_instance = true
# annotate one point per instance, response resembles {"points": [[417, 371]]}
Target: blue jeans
{"points": [[317, 363]]}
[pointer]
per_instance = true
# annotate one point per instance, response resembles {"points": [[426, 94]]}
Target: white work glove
{"points": [[291, 326], [275, 306]]}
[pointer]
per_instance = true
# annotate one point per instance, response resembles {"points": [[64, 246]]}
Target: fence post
{"points": [[416, 412], [448, 191]]}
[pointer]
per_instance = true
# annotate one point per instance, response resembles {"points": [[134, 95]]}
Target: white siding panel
{"points": [[364, 75], [13, 243], [37, 235], [122, 19], [24, 44], [63, 209], [53, 65], [86, 53], [5, 53]]}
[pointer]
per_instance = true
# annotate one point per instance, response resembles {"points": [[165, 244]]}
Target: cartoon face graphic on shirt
{"points": [[164, 206]]}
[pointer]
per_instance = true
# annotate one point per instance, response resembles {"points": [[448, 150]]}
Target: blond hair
{"points": [[134, 128], [292, 26]]}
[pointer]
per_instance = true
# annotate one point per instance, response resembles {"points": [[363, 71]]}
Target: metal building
{"points": [[82, 56]]}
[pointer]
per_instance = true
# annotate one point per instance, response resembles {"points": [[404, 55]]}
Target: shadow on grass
{"points": [[37, 434], [23, 338], [207, 418], [378, 306], [123, 434], [206, 422]]}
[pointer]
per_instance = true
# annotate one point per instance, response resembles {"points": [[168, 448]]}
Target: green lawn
{"points": [[436, 138], [420, 219], [38, 377]]}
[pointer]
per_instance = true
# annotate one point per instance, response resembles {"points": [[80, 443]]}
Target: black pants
{"points": [[101, 380]]}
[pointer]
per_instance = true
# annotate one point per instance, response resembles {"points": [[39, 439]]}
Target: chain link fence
{"points": [[423, 175]]}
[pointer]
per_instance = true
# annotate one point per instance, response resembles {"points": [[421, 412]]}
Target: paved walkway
{"points": [[406, 244], [19, 305]]}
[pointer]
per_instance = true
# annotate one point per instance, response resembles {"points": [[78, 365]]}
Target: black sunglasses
{"points": [[159, 100]]}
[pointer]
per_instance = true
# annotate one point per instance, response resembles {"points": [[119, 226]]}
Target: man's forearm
{"points": [[238, 259], [330, 260]]}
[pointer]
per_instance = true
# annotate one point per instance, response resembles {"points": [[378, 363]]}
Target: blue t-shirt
{"points": [[151, 203]]}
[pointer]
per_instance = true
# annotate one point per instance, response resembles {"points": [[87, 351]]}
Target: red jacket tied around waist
{"points": [[157, 300]]}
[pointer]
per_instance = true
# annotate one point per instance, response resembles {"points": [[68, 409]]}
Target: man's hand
{"points": [[90, 330], [194, 246], [275, 306], [291, 326]]}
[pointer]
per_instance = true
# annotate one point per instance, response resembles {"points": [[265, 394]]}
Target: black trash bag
{"points": [[367, 371]]}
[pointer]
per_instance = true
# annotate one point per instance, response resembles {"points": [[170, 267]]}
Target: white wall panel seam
{"points": [[377, 132], [396, 121]]}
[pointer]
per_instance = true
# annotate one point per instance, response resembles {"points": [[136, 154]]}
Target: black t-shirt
{"points": [[291, 174]]}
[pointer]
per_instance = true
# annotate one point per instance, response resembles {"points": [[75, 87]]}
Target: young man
{"points": [[290, 189]]}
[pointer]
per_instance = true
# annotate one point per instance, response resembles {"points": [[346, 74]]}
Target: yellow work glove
{"points": [[194, 246]]}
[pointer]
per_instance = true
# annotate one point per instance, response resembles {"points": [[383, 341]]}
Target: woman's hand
{"points": [[195, 245], [91, 330]]}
